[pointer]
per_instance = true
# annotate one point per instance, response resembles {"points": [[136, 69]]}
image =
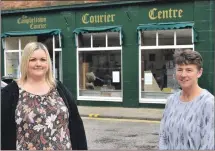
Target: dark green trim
{"points": [[118, 104], [82, 30], [165, 26], [168, 26], [31, 32], [99, 103], [152, 105]]}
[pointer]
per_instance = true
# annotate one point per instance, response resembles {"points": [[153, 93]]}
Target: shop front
{"points": [[114, 53]]}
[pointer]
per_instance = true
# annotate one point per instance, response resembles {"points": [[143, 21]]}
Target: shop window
{"points": [[148, 38], [103, 39], [166, 37], [184, 37], [152, 57], [84, 40], [15, 45], [55, 52], [157, 79], [12, 63], [99, 56], [12, 54], [12, 43], [113, 39], [99, 39]]}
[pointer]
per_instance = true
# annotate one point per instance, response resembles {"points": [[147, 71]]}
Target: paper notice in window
{"points": [[148, 78], [115, 76]]}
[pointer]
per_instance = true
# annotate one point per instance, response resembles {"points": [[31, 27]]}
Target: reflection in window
{"points": [[96, 72], [158, 75], [12, 63], [157, 66], [166, 37], [12, 43], [148, 38], [15, 45]]}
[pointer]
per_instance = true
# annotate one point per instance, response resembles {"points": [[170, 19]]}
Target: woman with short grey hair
{"points": [[188, 118]]}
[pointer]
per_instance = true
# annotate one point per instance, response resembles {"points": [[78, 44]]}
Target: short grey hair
{"points": [[188, 56]]}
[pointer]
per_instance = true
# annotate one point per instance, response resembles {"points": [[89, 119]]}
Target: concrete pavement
{"points": [[121, 113]]}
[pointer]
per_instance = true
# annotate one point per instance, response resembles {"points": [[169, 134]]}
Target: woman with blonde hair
{"points": [[37, 112]]}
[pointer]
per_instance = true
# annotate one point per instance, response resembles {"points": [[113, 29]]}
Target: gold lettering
{"points": [[174, 13], [91, 19], [104, 18], [31, 26], [159, 14], [108, 18], [101, 20], [152, 14], [33, 22], [84, 18], [97, 19], [170, 13], [39, 26], [180, 13], [165, 14], [112, 16], [18, 20]]}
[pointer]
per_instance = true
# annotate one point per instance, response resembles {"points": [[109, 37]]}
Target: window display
{"points": [[99, 56]]}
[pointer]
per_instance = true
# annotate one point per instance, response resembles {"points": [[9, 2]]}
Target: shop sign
{"points": [[93, 19], [165, 14], [33, 22]]}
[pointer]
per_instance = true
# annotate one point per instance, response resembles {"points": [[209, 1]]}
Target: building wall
{"points": [[129, 16], [205, 27]]}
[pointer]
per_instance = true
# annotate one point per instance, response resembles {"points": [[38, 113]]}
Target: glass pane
{"points": [[58, 65], [25, 40], [166, 37], [113, 39], [184, 37], [99, 40], [12, 43], [100, 73], [57, 44], [157, 73], [47, 40], [84, 40], [148, 38], [12, 63]]}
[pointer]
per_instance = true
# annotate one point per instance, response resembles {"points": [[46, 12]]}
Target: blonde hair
{"points": [[26, 54]]}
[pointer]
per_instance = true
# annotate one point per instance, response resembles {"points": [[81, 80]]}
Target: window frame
{"points": [[93, 49], [19, 50], [175, 46]]}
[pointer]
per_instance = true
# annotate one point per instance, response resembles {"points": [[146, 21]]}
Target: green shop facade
{"points": [[114, 53]]}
